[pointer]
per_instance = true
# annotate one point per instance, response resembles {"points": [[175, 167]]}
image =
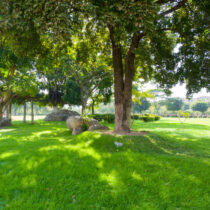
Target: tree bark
{"points": [[24, 112], [32, 112], [129, 74], [123, 81], [118, 83]]}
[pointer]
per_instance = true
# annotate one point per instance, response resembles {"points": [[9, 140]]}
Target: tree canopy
{"points": [[164, 40], [200, 106]]}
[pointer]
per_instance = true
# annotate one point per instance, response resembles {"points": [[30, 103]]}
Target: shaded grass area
{"points": [[43, 166]]}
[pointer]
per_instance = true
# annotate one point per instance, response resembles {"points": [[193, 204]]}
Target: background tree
{"points": [[174, 104], [200, 106], [159, 96], [139, 108], [72, 92], [15, 76], [91, 81]]}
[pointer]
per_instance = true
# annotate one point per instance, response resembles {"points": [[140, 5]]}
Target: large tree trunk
{"points": [[123, 82], [129, 74], [24, 112], [118, 83], [118, 89], [32, 112]]}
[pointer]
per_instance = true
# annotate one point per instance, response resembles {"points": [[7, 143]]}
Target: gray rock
{"points": [[76, 131], [74, 124], [60, 115], [5, 122], [98, 127]]}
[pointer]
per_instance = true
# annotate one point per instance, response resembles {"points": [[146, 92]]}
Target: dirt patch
{"points": [[132, 133]]}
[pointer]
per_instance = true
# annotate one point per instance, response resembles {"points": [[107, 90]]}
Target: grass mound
{"points": [[43, 166]]}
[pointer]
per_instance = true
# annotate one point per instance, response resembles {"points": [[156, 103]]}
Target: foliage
{"points": [[145, 104], [84, 126], [94, 80], [174, 104], [200, 106], [150, 118], [44, 162], [16, 74], [72, 93]]}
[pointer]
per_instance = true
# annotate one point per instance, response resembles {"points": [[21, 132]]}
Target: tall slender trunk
{"points": [[93, 104], [32, 112], [1, 112], [84, 98], [10, 110], [7, 111], [83, 109], [24, 112]]}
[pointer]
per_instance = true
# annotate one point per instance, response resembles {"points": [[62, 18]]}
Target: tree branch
{"points": [[178, 6], [135, 41], [163, 1]]}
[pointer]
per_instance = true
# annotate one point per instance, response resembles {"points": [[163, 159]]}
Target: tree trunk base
{"points": [[122, 130]]}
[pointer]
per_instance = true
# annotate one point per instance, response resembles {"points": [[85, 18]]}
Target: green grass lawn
{"points": [[43, 166]]}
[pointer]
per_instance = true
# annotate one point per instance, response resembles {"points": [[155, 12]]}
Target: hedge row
{"points": [[110, 117]]}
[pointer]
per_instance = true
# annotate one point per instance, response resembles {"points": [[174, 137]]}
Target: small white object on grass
{"points": [[118, 144]]}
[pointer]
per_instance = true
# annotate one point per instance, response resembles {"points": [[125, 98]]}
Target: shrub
{"points": [[103, 117], [157, 118], [110, 117], [135, 116], [148, 118], [84, 126]]}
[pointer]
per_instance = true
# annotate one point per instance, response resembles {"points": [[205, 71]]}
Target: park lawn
{"points": [[43, 166]]}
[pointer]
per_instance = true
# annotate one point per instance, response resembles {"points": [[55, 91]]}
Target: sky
{"points": [[179, 91]]}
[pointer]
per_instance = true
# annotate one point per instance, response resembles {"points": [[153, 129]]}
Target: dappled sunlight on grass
{"points": [[5, 130], [45, 166], [8, 154]]}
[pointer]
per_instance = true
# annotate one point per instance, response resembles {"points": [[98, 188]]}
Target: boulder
{"points": [[98, 127], [74, 124], [76, 131], [5, 122], [60, 115]]}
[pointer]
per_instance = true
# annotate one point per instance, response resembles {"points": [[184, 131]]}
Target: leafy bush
{"points": [[103, 117], [157, 118], [84, 126], [148, 118], [135, 116]]}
